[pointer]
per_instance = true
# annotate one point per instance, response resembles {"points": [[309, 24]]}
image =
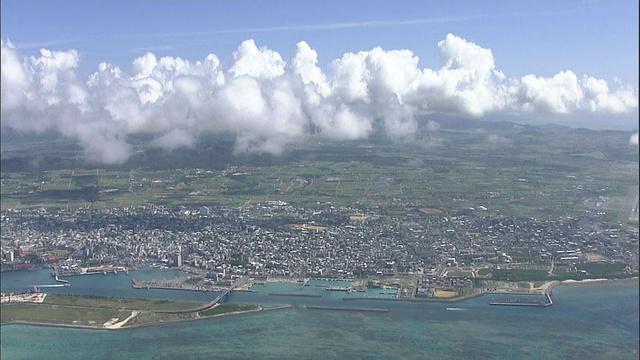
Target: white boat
{"points": [[455, 309]]}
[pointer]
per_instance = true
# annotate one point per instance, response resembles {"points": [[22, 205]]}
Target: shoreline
{"points": [[545, 288], [598, 280], [551, 285]]}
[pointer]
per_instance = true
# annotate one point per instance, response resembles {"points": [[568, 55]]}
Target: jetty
{"points": [[294, 294], [304, 283], [317, 307], [520, 301], [55, 276]]}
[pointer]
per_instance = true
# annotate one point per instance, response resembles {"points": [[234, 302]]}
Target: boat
{"points": [[455, 309], [31, 290]]}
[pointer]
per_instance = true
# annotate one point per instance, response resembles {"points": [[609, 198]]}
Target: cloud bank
{"points": [[267, 102]]}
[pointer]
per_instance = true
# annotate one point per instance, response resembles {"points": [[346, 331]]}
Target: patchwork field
{"points": [[538, 172]]}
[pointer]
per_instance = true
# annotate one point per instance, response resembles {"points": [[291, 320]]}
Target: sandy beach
{"points": [[552, 284], [571, 281], [546, 287], [586, 281]]}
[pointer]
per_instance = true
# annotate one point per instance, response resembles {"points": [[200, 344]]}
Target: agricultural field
{"points": [[532, 171]]}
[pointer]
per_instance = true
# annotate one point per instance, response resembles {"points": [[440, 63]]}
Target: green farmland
{"points": [[534, 172]]}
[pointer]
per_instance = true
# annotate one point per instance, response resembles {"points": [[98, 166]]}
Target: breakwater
{"points": [[337, 288], [55, 276], [426, 300], [316, 307], [519, 301], [293, 294]]}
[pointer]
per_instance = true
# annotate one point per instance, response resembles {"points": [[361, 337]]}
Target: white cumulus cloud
{"points": [[267, 102]]}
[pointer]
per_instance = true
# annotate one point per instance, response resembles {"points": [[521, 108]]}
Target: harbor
{"points": [[404, 320]]}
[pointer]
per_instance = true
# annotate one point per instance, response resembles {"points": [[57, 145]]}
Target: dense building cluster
{"points": [[278, 239]]}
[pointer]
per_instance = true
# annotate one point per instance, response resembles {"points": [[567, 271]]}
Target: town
{"points": [[277, 239], [455, 217]]}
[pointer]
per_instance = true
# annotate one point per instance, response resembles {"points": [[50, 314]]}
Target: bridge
{"points": [[209, 305]]}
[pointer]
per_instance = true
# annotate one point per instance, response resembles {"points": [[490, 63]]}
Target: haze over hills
{"points": [[48, 151]]}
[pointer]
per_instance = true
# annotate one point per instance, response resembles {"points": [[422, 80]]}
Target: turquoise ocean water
{"points": [[587, 321]]}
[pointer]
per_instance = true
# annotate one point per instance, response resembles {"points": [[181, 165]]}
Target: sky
{"points": [[273, 73]]}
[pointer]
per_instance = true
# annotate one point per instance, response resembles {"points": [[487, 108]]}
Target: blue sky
{"points": [[593, 38], [275, 73]]}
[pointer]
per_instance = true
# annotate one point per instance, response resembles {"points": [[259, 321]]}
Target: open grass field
{"points": [[519, 274], [604, 269], [459, 274], [59, 314], [228, 308], [118, 303], [96, 311]]}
